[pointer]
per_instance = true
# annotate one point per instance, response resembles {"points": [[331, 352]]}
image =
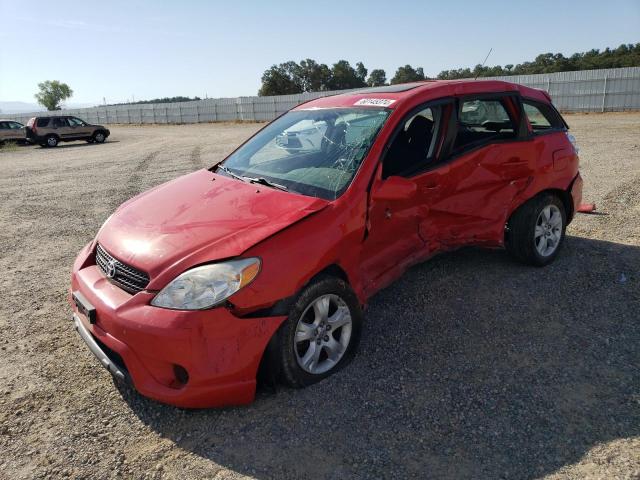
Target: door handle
{"points": [[430, 187]]}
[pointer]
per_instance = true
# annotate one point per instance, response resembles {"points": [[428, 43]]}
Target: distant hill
{"points": [[19, 107], [26, 107]]}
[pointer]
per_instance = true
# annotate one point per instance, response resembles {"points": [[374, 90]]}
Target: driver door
{"points": [[396, 203], [79, 128]]}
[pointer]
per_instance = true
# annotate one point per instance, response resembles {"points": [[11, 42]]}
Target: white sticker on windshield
{"points": [[378, 102]]}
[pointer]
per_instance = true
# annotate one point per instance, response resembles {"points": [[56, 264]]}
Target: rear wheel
{"points": [[321, 332], [537, 229], [51, 141], [99, 137]]}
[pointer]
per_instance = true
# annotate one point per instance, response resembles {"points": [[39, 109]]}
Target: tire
{"points": [[536, 230], [306, 320], [51, 141], [99, 137]]}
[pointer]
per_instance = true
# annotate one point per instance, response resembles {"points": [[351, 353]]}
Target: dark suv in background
{"points": [[49, 131]]}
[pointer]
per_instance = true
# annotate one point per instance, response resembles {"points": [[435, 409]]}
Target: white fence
{"points": [[605, 90]]}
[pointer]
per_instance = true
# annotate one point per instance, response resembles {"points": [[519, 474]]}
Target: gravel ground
{"points": [[470, 366]]}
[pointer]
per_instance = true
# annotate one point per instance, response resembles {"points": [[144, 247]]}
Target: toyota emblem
{"points": [[111, 269]]}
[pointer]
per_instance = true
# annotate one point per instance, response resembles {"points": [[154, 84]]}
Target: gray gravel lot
{"points": [[470, 366]]}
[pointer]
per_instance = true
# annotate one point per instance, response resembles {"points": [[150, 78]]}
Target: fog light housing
{"points": [[181, 375]]}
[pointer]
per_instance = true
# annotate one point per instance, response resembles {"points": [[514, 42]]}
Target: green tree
{"points": [[626, 55], [281, 79], [313, 76], [361, 72], [344, 76], [377, 78], [52, 93], [408, 74]]}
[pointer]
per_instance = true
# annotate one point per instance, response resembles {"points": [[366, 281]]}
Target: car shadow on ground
{"points": [[64, 145], [470, 366]]}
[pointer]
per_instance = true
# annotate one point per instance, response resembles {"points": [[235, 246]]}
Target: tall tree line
{"points": [[310, 76]]}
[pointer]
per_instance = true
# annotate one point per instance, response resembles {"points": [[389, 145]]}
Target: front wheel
{"points": [[321, 332], [99, 137], [536, 230]]}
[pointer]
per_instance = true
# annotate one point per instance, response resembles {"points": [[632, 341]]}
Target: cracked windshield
{"points": [[311, 152]]}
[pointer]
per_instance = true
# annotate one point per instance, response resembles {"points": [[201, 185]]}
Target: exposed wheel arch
{"points": [[519, 231], [268, 368], [563, 195]]}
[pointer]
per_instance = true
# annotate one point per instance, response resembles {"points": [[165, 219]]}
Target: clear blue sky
{"points": [[116, 49]]}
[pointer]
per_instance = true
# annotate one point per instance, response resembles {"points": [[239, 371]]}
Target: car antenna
{"points": [[485, 61]]}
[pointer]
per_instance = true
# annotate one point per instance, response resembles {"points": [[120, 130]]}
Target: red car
{"points": [[268, 258]]}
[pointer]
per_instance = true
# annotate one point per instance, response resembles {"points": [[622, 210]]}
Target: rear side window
{"points": [[482, 121], [4, 125], [42, 122], [541, 117], [60, 122]]}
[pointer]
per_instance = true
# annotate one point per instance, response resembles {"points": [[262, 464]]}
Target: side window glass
{"points": [[541, 117], [43, 122], [3, 125], [60, 122], [482, 121], [415, 144], [15, 125], [76, 122]]}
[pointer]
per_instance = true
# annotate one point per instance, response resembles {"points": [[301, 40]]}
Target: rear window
{"points": [[42, 122]]}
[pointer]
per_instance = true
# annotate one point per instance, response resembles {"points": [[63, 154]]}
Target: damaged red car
{"points": [[267, 259]]}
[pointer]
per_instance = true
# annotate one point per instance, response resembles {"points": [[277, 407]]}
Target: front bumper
{"points": [[153, 347]]}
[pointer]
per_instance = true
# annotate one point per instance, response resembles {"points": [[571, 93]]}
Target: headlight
{"points": [[208, 285]]}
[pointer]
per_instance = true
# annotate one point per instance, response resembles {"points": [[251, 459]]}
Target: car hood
{"points": [[198, 218]]}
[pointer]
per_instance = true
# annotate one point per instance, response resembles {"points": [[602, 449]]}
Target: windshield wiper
{"points": [[230, 173], [266, 183], [258, 180]]}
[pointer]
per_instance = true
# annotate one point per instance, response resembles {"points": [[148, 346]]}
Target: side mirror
{"points": [[395, 188]]}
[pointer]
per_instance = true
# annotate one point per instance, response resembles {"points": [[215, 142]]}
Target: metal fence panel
{"points": [[604, 90]]}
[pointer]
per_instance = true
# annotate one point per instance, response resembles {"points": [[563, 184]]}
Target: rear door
{"points": [[60, 126], [487, 160]]}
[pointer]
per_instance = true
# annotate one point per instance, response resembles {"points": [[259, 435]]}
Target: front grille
{"points": [[128, 278]]}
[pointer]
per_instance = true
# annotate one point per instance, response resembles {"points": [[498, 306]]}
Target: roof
{"points": [[394, 95]]}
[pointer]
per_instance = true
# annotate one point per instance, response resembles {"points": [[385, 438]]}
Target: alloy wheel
{"points": [[323, 334], [548, 231]]}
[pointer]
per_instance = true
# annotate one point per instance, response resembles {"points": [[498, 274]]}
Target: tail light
{"points": [[32, 125], [573, 141]]}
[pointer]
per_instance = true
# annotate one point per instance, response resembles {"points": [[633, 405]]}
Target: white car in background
{"points": [[305, 135]]}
